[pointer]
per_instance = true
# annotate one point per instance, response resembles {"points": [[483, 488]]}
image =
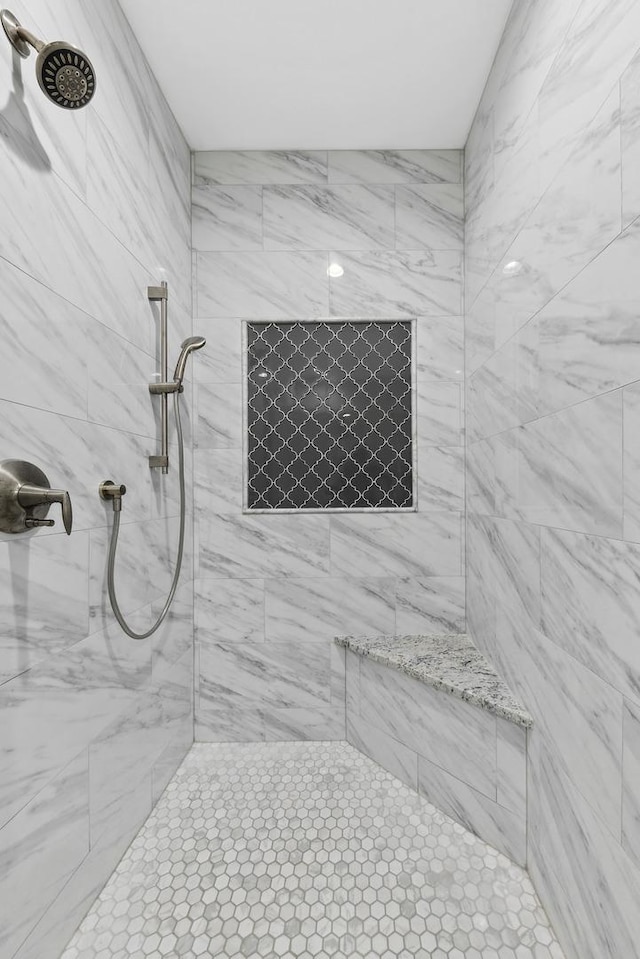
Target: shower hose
{"points": [[114, 544]]}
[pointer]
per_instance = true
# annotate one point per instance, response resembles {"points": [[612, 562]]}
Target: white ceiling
{"points": [[321, 74]]}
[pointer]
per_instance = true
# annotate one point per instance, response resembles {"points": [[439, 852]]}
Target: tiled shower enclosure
{"points": [[273, 590]]}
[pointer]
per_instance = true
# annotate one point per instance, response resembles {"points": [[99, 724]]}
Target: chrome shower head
{"points": [[65, 74], [188, 346]]}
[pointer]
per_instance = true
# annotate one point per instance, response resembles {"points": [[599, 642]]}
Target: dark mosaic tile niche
{"points": [[329, 412]]}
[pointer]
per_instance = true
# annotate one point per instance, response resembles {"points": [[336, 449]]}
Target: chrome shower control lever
{"points": [[26, 496]]}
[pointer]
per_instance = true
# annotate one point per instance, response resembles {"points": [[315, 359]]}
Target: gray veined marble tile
{"points": [[221, 360], [439, 414], [630, 140], [118, 189], [588, 881], [410, 712], [563, 233], [219, 408], [45, 345], [591, 604], [433, 604], [429, 216], [310, 609], [439, 348], [40, 848], [317, 723], [350, 217], [262, 166], [226, 217], [631, 780], [599, 43], [44, 598], [578, 718], [264, 675], [631, 462], [405, 545], [512, 766], [395, 166], [218, 481], [440, 478], [566, 469], [397, 284], [383, 749], [258, 546], [229, 610], [504, 829], [261, 285]]}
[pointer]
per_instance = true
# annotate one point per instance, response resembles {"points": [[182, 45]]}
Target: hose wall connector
{"points": [[112, 491]]}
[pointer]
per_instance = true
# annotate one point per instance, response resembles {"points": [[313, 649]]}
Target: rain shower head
{"points": [[188, 346], [65, 74]]}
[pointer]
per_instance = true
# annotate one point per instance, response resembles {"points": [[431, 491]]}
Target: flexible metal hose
{"points": [[114, 544]]}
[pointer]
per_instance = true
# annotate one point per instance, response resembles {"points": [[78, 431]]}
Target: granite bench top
{"points": [[450, 662]]}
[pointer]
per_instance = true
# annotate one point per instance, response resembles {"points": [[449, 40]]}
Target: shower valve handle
{"points": [[30, 496]]}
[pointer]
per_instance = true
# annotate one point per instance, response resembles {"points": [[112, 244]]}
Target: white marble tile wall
{"points": [[273, 590], [468, 762], [552, 358], [92, 724]]}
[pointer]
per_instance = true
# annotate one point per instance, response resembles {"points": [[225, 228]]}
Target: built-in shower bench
{"points": [[433, 710]]}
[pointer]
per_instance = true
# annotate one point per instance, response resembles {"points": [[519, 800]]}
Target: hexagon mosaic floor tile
{"points": [[308, 850]]}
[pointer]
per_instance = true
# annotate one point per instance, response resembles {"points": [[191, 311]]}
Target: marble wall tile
{"points": [[397, 284], [630, 140], [597, 47], [261, 285], [406, 545], [498, 826], [383, 749], [316, 723], [591, 604], [439, 348], [349, 217], [304, 610], [439, 414], [43, 598], [229, 610], [221, 361], [119, 377], [226, 217], [40, 848], [631, 462], [52, 377], [566, 469], [429, 216], [512, 767], [440, 478], [219, 416], [218, 481], [258, 546], [631, 781], [433, 604], [410, 712], [262, 166], [263, 675], [395, 166], [590, 885], [579, 718]]}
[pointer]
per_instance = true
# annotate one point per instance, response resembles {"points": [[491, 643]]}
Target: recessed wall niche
{"points": [[329, 414]]}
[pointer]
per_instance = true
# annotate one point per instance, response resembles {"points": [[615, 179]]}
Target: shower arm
{"points": [[161, 293], [28, 37]]}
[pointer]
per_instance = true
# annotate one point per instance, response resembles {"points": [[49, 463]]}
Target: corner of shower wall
{"points": [[93, 724], [304, 236]]}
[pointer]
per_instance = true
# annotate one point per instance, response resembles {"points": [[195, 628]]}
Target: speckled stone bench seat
{"points": [[433, 711]]}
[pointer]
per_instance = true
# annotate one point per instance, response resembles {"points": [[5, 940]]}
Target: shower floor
{"points": [[308, 850]]}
